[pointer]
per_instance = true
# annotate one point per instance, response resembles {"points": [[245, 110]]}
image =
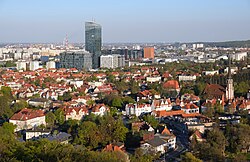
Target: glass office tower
{"points": [[93, 42]]}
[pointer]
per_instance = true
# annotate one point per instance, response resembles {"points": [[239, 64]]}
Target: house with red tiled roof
{"points": [[172, 85], [99, 109], [190, 108], [144, 95], [103, 89], [169, 137], [75, 113], [81, 99], [28, 118], [197, 135], [164, 113], [114, 147], [118, 146], [161, 104], [214, 91], [190, 97], [245, 105]]}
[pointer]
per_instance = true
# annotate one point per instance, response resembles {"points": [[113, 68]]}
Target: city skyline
{"points": [[126, 21]]}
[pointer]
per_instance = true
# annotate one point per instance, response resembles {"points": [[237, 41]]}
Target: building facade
{"points": [[28, 118], [80, 60], [230, 86], [112, 61], [34, 65], [149, 52], [93, 42]]}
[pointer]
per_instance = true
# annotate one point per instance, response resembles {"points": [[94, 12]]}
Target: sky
{"points": [[49, 21]]}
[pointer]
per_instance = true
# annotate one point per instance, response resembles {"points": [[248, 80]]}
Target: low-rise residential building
{"points": [[153, 79], [190, 108], [187, 78], [161, 104], [35, 133], [76, 113], [28, 119], [99, 109], [137, 109], [156, 145]]}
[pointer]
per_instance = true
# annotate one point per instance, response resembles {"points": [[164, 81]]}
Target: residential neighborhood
{"points": [[162, 115], [125, 81]]}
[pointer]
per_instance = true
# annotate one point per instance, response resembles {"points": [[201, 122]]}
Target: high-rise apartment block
{"points": [[34, 65], [21, 65], [50, 65], [149, 52], [93, 42], [80, 60], [112, 61]]}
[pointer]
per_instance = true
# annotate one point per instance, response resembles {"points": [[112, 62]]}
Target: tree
{"points": [[7, 140], [111, 78], [189, 157], [5, 100], [140, 156], [50, 118], [65, 97], [10, 64], [128, 100], [218, 107], [71, 126], [199, 88], [121, 86], [242, 88], [19, 105], [90, 102], [60, 118], [238, 138], [117, 102], [217, 139], [215, 143], [111, 129], [88, 134], [151, 120], [134, 87], [186, 90], [6, 91]]}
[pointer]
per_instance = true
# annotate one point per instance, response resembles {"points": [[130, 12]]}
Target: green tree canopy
{"points": [[50, 118], [189, 157], [60, 118], [88, 134]]}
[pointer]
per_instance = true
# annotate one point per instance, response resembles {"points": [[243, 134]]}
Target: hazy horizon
{"points": [[140, 21]]}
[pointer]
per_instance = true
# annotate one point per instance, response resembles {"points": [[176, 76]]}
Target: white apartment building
{"points": [[137, 109], [239, 56], [34, 65], [21, 65], [28, 118], [112, 61], [187, 78], [50, 65]]}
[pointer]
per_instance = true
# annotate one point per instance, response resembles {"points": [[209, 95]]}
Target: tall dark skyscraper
{"points": [[93, 41]]}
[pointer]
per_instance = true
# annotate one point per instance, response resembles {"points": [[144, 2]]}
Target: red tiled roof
{"points": [[165, 131], [171, 84], [164, 113], [192, 115], [26, 114], [197, 133], [76, 109], [111, 147], [190, 106]]}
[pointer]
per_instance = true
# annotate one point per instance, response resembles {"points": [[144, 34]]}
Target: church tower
{"points": [[230, 86]]}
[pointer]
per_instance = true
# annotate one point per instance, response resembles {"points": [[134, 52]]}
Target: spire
{"points": [[229, 67]]}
